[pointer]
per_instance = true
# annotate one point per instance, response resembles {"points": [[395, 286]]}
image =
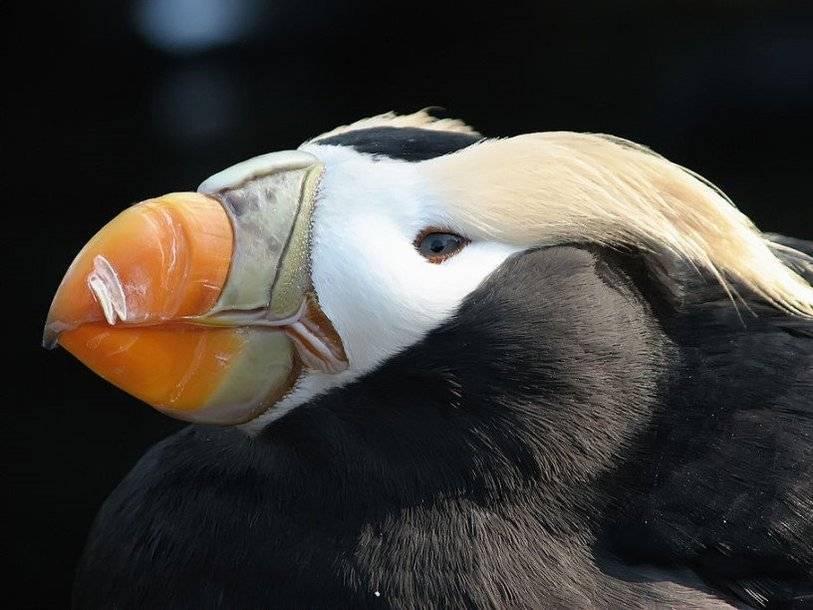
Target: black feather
{"points": [[404, 143], [572, 423]]}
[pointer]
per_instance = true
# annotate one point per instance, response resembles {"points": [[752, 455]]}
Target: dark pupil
{"points": [[439, 243]]}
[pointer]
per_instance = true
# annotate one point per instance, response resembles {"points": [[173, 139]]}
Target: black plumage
{"points": [[404, 143], [592, 429]]}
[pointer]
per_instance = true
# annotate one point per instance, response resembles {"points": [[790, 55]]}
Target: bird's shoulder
{"points": [[728, 490]]}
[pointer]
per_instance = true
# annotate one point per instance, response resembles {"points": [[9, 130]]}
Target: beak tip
{"points": [[50, 334], [49, 339]]}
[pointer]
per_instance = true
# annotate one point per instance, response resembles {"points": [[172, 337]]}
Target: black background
{"points": [[99, 115]]}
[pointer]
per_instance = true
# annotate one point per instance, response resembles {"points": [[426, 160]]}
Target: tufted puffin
{"points": [[428, 369]]}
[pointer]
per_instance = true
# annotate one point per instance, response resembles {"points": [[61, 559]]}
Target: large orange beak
{"points": [[199, 303]]}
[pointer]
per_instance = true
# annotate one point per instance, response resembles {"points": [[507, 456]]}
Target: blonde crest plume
{"points": [[556, 187]]}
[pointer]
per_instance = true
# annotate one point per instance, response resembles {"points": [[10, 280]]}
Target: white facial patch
{"points": [[381, 295]]}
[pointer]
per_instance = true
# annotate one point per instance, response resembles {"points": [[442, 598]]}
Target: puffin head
{"points": [[294, 273]]}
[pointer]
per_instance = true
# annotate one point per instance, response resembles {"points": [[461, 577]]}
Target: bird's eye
{"points": [[437, 246]]}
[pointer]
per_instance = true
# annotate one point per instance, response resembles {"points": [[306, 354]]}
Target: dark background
{"points": [[113, 102]]}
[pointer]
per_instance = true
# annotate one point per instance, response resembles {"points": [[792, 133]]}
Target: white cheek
{"points": [[386, 297], [383, 304]]}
